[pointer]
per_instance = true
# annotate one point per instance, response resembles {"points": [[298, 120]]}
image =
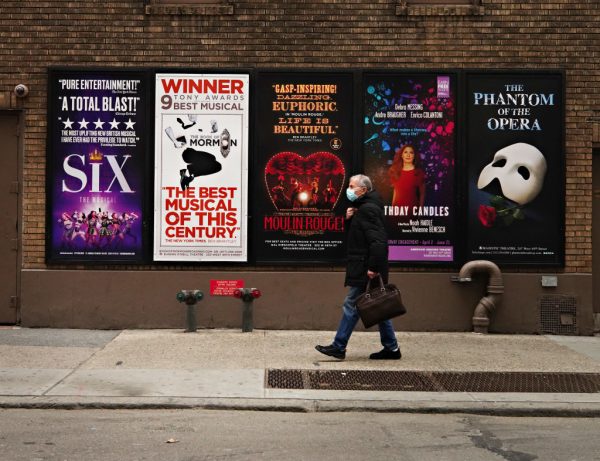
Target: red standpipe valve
{"points": [[248, 295]]}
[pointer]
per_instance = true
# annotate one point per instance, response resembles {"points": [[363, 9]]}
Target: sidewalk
{"points": [[227, 369]]}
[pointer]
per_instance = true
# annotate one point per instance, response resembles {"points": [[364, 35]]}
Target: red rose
{"points": [[487, 215]]}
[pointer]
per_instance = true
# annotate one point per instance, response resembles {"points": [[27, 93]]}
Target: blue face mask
{"points": [[351, 195]]}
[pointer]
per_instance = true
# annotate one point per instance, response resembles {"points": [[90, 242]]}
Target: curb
{"points": [[490, 408]]}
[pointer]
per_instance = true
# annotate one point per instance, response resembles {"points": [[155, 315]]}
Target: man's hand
{"points": [[372, 274], [350, 212]]}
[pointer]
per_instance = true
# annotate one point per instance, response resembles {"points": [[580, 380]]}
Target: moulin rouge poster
{"points": [[201, 167], [515, 168], [96, 165], [409, 130], [304, 157]]}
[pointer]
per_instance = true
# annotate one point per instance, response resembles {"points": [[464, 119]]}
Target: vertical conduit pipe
{"points": [[495, 289]]}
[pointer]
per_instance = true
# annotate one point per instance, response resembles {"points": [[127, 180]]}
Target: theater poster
{"points": [[201, 167], [515, 161], [304, 151], [96, 160], [409, 139]]}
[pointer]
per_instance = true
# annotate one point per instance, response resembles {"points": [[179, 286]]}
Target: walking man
{"points": [[367, 257]]}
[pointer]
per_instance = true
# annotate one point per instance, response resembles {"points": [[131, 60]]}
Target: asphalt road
{"points": [[194, 435]]}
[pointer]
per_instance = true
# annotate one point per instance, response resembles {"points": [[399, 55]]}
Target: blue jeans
{"points": [[350, 318]]}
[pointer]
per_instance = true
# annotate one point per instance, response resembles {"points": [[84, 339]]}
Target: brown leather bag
{"points": [[379, 303]]}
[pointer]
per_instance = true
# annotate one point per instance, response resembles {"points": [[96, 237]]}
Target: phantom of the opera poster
{"points": [[515, 160]]}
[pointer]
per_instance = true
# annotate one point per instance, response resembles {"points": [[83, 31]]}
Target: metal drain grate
{"points": [[378, 380], [285, 379], [369, 381], [558, 314], [518, 382]]}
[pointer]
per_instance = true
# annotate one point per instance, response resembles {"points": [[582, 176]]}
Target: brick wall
{"points": [[35, 34]]}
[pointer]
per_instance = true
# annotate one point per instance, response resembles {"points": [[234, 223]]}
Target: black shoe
{"points": [[386, 354], [331, 351]]}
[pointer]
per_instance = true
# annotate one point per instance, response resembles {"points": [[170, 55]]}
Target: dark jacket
{"points": [[367, 241]]}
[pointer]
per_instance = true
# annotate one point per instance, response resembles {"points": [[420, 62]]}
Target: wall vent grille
{"points": [[558, 314]]}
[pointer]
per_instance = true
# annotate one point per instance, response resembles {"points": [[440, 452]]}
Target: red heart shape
{"points": [[304, 183]]}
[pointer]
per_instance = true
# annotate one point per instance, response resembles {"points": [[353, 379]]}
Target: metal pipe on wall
{"points": [[493, 297]]}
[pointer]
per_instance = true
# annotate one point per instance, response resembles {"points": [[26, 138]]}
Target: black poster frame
{"points": [[354, 163]]}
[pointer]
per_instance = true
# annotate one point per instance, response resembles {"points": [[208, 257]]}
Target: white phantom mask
{"points": [[520, 168]]}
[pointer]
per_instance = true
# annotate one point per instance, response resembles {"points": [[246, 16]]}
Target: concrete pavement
{"points": [[52, 368]]}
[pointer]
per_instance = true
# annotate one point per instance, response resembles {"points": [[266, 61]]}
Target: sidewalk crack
{"points": [[78, 367]]}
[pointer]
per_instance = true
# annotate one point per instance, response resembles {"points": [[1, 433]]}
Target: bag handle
{"points": [[380, 283]]}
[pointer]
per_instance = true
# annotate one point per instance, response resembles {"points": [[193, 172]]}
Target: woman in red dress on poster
{"points": [[407, 178]]}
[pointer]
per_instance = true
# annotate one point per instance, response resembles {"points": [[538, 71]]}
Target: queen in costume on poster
{"points": [[407, 178]]}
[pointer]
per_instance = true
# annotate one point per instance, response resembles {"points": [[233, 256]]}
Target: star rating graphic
{"points": [[98, 124]]}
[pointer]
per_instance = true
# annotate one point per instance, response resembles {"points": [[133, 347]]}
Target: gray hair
{"points": [[363, 181]]}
